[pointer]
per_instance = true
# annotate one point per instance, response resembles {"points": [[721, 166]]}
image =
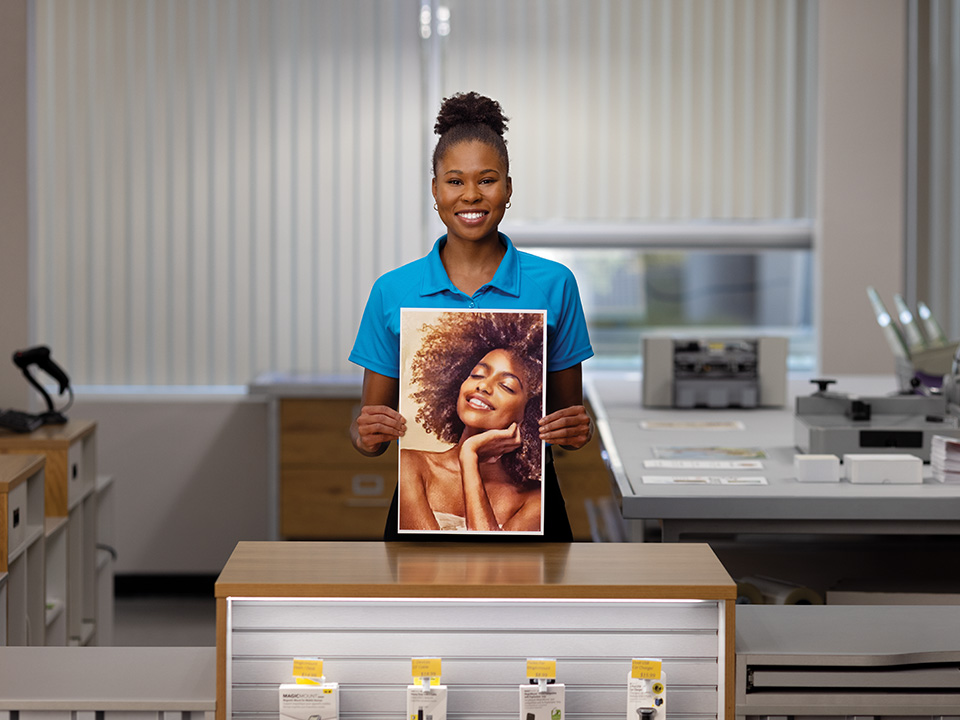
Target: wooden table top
{"points": [[14, 469], [475, 570], [47, 437]]}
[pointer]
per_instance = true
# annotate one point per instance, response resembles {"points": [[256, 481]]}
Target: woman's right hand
{"points": [[375, 427], [490, 445]]}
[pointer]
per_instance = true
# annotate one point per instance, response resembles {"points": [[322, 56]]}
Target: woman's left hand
{"points": [[571, 427]]}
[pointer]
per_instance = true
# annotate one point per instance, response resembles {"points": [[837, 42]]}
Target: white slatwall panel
{"points": [[941, 123], [651, 110], [219, 182], [367, 644]]}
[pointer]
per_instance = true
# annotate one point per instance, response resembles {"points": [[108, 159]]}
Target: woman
{"points": [[480, 390], [475, 266]]}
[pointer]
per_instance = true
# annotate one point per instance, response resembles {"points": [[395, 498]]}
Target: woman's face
{"points": [[472, 190], [495, 393]]}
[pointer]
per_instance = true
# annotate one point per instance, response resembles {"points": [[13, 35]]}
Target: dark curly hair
{"points": [[470, 116], [451, 348]]}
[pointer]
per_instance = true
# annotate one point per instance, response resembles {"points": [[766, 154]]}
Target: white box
{"points": [[817, 468], [429, 704], [880, 469], [303, 702], [536, 705]]}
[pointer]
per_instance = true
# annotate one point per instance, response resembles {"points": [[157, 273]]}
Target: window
{"points": [[217, 185]]}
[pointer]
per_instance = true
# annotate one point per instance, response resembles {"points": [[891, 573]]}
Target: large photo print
{"points": [[471, 389]]}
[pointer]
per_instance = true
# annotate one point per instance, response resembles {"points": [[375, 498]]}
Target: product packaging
{"points": [[538, 703], [309, 702], [427, 704]]}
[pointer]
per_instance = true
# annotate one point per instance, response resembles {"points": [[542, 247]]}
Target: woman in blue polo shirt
{"points": [[475, 266]]}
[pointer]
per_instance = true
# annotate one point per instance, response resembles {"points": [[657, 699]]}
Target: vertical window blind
{"points": [[218, 183], [935, 161], [646, 110]]}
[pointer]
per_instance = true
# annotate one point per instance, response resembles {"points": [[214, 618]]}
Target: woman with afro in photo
{"points": [[475, 266], [479, 385]]}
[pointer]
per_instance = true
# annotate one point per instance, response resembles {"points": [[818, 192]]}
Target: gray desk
{"points": [[783, 505], [834, 662]]}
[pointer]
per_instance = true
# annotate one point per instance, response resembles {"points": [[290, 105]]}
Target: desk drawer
{"points": [[335, 503]]}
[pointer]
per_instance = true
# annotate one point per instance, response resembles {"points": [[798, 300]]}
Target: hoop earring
{"points": [[435, 207], [508, 204]]}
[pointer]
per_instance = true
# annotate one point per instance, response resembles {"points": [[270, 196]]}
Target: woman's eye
{"points": [[509, 389]]}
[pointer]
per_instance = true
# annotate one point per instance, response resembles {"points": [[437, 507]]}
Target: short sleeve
{"points": [[571, 341], [377, 346]]}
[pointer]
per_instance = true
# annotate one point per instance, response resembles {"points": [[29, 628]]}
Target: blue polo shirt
{"points": [[522, 282]]}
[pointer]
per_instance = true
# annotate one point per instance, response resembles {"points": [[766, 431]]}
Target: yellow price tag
{"points": [[307, 667], [425, 667], [645, 669], [540, 669]]}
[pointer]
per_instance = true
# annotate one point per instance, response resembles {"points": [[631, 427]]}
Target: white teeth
{"points": [[471, 215], [478, 403]]}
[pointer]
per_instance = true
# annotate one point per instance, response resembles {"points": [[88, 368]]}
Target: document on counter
{"points": [[692, 425], [704, 464], [709, 453], [702, 480]]}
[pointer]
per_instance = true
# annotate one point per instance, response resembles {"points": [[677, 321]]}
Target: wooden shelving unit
{"points": [[64, 563]]}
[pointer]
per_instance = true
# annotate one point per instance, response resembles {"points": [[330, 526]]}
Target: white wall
{"points": [[190, 477]]}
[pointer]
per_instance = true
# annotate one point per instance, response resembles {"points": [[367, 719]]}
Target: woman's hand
{"points": [[490, 445], [375, 427], [570, 427]]}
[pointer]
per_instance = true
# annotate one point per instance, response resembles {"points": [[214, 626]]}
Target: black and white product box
{"points": [[309, 702], [423, 704], [646, 699], [545, 705]]}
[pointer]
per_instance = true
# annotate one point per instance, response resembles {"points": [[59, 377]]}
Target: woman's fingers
{"points": [[570, 427], [378, 424]]}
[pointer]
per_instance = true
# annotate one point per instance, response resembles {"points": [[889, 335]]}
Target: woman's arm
{"points": [[413, 506], [378, 423], [488, 446], [567, 423]]}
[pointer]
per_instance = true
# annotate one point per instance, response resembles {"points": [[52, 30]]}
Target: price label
{"points": [[307, 667], [425, 667], [645, 669], [540, 669]]}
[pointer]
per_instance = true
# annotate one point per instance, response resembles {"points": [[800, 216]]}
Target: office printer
{"points": [[835, 423], [714, 372]]}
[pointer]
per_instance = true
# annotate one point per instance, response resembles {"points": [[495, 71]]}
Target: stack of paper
{"points": [[945, 458]]}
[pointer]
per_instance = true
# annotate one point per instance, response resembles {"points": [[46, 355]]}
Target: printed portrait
{"points": [[472, 392]]}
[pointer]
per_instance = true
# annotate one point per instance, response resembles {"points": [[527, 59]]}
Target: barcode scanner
{"points": [[40, 356]]}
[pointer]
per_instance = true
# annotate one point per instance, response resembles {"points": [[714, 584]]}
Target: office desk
{"points": [[783, 506]]}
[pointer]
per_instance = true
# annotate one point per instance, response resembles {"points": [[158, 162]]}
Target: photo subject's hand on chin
{"points": [[490, 445], [570, 428], [375, 427]]}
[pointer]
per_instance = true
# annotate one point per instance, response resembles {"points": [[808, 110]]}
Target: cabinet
{"points": [[68, 526], [366, 608], [22, 549], [328, 491]]}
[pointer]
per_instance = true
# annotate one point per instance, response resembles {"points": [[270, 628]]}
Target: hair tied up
{"points": [[470, 108]]}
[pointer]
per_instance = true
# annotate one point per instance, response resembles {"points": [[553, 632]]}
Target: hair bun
{"points": [[470, 109]]}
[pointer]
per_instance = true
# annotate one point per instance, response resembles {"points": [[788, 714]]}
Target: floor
{"points": [[164, 621]]}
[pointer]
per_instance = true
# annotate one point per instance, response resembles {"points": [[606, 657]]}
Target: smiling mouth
{"points": [[478, 403], [472, 215]]}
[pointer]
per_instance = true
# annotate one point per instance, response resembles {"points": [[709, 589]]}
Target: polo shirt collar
{"points": [[506, 279]]}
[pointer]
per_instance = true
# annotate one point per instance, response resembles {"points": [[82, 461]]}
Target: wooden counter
{"points": [[577, 581]]}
